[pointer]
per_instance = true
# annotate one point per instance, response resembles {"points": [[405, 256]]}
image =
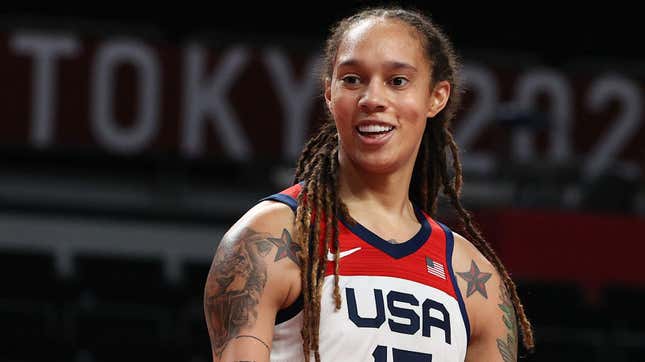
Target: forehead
{"points": [[382, 40]]}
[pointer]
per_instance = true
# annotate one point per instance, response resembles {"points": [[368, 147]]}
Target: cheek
{"points": [[413, 126], [414, 112], [414, 108], [343, 108], [343, 105]]}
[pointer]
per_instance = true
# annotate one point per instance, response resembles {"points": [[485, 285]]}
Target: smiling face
{"points": [[380, 94]]}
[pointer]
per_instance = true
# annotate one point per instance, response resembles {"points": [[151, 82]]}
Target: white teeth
{"points": [[374, 128]]}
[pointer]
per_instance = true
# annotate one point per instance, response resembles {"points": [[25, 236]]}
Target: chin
{"points": [[379, 165]]}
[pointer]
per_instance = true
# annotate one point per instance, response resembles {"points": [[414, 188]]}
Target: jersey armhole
{"points": [[291, 311], [450, 244]]}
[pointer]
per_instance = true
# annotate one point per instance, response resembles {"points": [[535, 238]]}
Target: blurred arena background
{"points": [[131, 139]]}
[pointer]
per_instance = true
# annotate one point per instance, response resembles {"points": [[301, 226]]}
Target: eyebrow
{"points": [[388, 64]]}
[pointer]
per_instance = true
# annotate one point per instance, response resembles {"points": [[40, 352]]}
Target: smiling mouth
{"points": [[374, 130]]}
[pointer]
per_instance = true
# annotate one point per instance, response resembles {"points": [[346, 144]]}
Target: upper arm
{"points": [[488, 304], [250, 279]]}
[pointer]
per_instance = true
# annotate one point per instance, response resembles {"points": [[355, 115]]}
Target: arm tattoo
{"points": [[508, 348], [286, 247], [236, 282], [256, 338], [476, 280]]}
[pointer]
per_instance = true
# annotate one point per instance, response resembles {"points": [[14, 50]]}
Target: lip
{"points": [[374, 141]]}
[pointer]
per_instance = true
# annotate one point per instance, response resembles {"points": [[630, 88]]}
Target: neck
{"points": [[380, 192]]}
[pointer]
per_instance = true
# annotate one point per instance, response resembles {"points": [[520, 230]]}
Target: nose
{"points": [[373, 99]]}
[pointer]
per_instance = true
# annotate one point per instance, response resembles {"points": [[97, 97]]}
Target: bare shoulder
{"points": [[266, 215], [467, 256], [266, 228], [477, 279], [252, 276], [488, 304]]}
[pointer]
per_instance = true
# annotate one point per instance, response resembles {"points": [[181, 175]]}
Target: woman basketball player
{"points": [[348, 264]]}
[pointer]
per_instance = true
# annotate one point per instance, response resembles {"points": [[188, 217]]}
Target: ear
{"points": [[438, 98], [328, 93]]}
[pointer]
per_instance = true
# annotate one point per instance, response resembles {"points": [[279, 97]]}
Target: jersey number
{"points": [[399, 355]]}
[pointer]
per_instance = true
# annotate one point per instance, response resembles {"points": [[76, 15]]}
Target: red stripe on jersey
{"points": [[293, 191], [370, 260]]}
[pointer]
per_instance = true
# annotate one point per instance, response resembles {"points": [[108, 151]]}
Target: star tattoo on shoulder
{"points": [[476, 280], [286, 247]]}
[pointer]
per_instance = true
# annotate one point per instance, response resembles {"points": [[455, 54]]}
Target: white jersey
{"points": [[400, 302]]}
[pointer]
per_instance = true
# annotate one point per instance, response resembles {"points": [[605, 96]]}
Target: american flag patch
{"points": [[435, 268]]}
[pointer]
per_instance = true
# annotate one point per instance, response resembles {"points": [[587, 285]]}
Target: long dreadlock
{"points": [[319, 205]]}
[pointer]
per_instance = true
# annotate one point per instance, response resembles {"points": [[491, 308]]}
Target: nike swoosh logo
{"points": [[342, 254]]}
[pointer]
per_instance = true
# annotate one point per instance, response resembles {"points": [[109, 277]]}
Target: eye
{"points": [[351, 79], [399, 81]]}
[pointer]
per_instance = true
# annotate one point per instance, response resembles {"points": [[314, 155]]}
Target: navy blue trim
{"points": [[289, 312], [285, 199], [450, 244], [397, 251]]}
